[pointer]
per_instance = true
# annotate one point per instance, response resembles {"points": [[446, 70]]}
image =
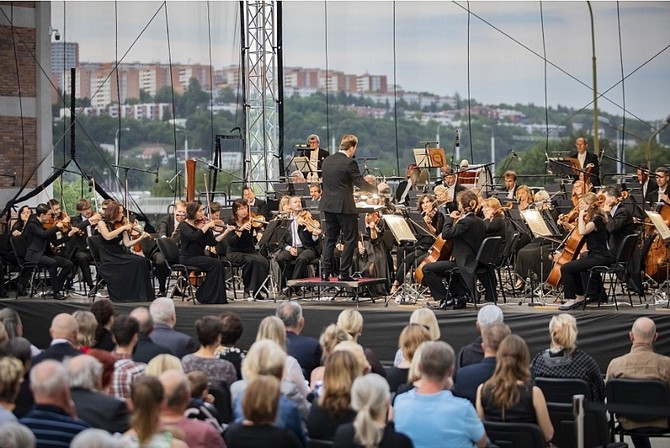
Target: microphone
{"points": [[157, 168], [515, 155], [303, 147], [14, 179], [457, 139]]}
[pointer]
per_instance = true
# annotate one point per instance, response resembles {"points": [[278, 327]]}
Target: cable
{"points": [[623, 84], [174, 108], [472, 158], [18, 85], [325, 31], [395, 93], [211, 82], [546, 100]]}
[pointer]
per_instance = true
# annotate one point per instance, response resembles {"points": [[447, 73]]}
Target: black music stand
{"points": [[272, 235]]}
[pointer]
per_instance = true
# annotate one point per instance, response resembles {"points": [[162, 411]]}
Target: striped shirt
{"points": [[52, 427]]}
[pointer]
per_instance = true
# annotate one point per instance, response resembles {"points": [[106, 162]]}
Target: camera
{"points": [[57, 35]]}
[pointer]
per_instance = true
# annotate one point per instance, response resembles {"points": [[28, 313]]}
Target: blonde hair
{"points": [[591, 199], [348, 141], [529, 194], [11, 374], [370, 396], [163, 363], [272, 328], [331, 337], [261, 400], [427, 318], [410, 338], [494, 204], [351, 321], [88, 324], [563, 332], [341, 369], [265, 357], [146, 394], [356, 349], [414, 373]]}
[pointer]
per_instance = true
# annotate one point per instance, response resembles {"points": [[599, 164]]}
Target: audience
{"points": [[63, 331], [163, 363], [410, 338], [103, 310], [509, 395], [351, 321], [165, 318], [16, 435], [370, 398], [87, 324], [96, 438], [473, 353], [11, 375], [563, 360], [14, 326], [329, 339], [221, 373], [305, 350], [430, 415], [426, 318], [201, 405], [231, 333], [126, 371], [146, 349], [19, 348]]}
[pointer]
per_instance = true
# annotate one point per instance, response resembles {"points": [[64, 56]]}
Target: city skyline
{"points": [[427, 51]]}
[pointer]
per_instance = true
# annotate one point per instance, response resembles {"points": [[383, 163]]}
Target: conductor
{"points": [[340, 174]]}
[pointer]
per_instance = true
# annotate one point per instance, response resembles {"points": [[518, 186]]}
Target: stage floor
{"points": [[603, 331]]}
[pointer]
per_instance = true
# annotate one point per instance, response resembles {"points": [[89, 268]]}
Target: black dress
{"points": [[345, 438], [322, 425], [521, 412], [239, 435], [192, 253], [128, 276], [241, 252]]}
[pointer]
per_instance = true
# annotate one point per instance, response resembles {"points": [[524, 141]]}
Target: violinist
{"points": [[524, 197], [300, 243], [255, 203], [588, 161], [127, 275], [58, 215], [77, 247], [39, 251], [452, 189], [315, 192], [242, 251], [197, 232], [20, 223], [510, 184], [592, 225], [648, 185], [663, 192]]}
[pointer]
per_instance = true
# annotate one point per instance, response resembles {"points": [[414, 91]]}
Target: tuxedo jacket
{"points": [[100, 410], [595, 172], [452, 205], [305, 349], [305, 238], [78, 242], [467, 235], [340, 174], [618, 226], [322, 155], [38, 239], [652, 192]]}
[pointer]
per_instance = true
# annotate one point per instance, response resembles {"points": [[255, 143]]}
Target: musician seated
{"points": [[452, 190], [297, 177], [412, 173], [315, 192], [300, 243], [77, 247], [663, 193], [524, 197], [256, 203], [510, 184]]}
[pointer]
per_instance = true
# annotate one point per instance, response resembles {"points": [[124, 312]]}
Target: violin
{"points": [[257, 221], [64, 220], [371, 218], [134, 233], [219, 225], [305, 219]]}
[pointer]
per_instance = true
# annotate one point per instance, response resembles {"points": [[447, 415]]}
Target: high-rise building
{"points": [[64, 56]]}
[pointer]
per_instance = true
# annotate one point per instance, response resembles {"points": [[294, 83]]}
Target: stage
{"points": [[603, 332]]}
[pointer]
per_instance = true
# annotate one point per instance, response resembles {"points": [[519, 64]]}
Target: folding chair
{"points": [[38, 274], [170, 251]]}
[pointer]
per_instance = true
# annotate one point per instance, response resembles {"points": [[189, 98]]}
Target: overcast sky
{"points": [[426, 50]]}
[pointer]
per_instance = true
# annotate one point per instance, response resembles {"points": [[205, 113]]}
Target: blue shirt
{"points": [[52, 427], [437, 420]]}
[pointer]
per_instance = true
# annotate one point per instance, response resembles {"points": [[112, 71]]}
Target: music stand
{"points": [[274, 234], [564, 166]]}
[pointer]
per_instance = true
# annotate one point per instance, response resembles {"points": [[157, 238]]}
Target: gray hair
{"points": [[84, 371], [48, 378], [162, 310], [95, 438], [15, 435], [313, 137], [370, 396], [143, 316], [437, 360], [489, 314], [290, 312]]}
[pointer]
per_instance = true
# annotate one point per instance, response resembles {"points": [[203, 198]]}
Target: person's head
{"points": [[581, 144], [232, 328], [162, 363], [313, 141], [523, 194], [177, 390], [248, 194], [85, 372], [125, 330], [467, 201], [315, 192], [16, 435], [411, 337], [272, 328], [437, 362], [425, 203], [264, 357], [510, 179], [50, 384], [370, 398], [146, 399], [43, 212], [357, 350], [194, 211], [143, 317], [426, 317], [642, 174], [283, 206], [489, 314], [113, 212], [491, 208], [12, 322], [24, 213], [351, 321], [643, 331], [215, 210], [493, 335], [341, 369], [11, 377], [512, 365], [103, 310], [162, 311], [349, 144], [542, 198], [612, 194], [290, 313], [64, 326], [563, 332], [662, 174], [84, 208], [55, 207], [260, 401], [88, 325], [208, 329], [295, 204], [103, 206], [578, 188], [19, 348], [199, 383], [297, 177], [240, 209], [95, 438], [449, 177], [591, 203], [331, 336]]}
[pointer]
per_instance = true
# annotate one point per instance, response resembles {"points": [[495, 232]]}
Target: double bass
{"points": [[440, 250], [658, 256]]}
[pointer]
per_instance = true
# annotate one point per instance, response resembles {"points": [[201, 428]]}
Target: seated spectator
{"points": [[260, 407], [11, 376], [351, 321], [467, 379], [88, 325], [104, 313], [107, 360], [16, 435], [126, 371], [221, 373], [426, 318], [473, 353], [201, 404], [304, 349], [146, 349], [165, 318], [197, 434], [641, 363], [413, 376], [63, 331], [410, 338], [564, 360], [14, 326], [19, 348], [53, 418], [146, 398], [163, 363], [329, 339], [96, 438], [231, 333], [370, 398], [333, 406], [265, 357], [452, 421], [509, 395], [97, 409]]}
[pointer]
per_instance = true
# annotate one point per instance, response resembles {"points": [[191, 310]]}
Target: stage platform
{"points": [[603, 331]]}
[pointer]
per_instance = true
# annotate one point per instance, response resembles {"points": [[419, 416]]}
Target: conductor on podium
{"points": [[340, 174]]}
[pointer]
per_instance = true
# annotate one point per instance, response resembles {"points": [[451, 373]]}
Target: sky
{"points": [[420, 46]]}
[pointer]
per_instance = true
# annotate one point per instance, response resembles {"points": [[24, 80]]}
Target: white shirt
{"points": [[582, 159]]}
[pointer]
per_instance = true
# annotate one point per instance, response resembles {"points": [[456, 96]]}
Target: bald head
{"points": [[64, 326], [177, 389], [142, 315], [643, 331]]}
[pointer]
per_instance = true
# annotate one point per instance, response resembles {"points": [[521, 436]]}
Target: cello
{"points": [[440, 250], [658, 255]]}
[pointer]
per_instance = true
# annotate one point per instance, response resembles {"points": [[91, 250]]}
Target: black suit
{"points": [[100, 410], [293, 267], [340, 174], [595, 171], [38, 252], [57, 352], [306, 350], [619, 226], [179, 344], [452, 205], [166, 228], [263, 208], [319, 164], [146, 349], [651, 195], [77, 248]]}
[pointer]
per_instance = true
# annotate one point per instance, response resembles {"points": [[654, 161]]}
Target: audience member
{"points": [[260, 406], [97, 409], [473, 353], [19, 348], [63, 333], [88, 325], [509, 395], [14, 326], [53, 418], [231, 333], [126, 371], [467, 379], [331, 336], [414, 374], [163, 363], [410, 338], [16, 435], [351, 321], [201, 405], [96, 438], [11, 376], [165, 318], [370, 398], [221, 373], [146, 349], [103, 310], [305, 350], [107, 360], [564, 360], [197, 434], [642, 362], [427, 318], [452, 421]]}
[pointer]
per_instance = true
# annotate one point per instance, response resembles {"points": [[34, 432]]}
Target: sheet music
{"points": [[660, 225], [536, 223], [399, 228], [421, 157]]}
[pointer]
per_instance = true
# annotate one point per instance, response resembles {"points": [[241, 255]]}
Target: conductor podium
{"points": [[362, 285]]}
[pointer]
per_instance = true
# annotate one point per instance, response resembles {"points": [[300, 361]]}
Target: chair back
{"points": [[489, 250], [626, 248], [561, 390], [643, 394], [94, 242], [563, 421], [222, 403], [514, 435], [511, 246], [169, 249], [319, 443], [20, 247]]}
